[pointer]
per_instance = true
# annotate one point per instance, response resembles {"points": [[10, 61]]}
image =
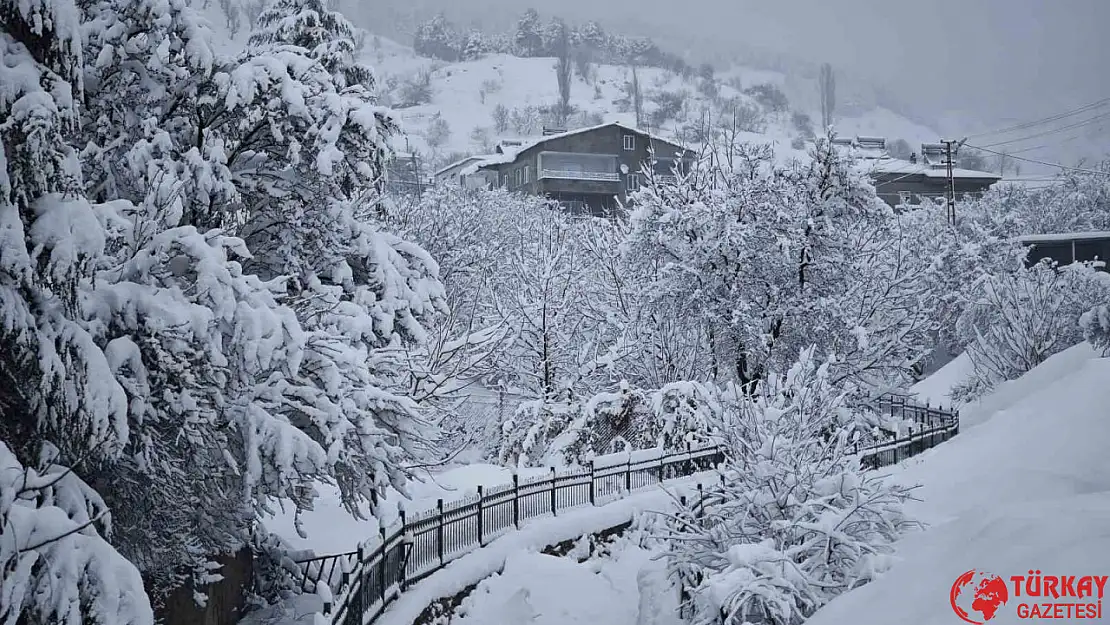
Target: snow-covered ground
{"points": [[329, 528], [1026, 487], [465, 94], [524, 588]]}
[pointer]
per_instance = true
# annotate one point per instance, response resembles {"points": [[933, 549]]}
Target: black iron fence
{"points": [[369, 579]]}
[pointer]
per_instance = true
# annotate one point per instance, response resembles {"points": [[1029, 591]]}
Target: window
{"points": [[516, 177], [527, 174], [632, 183], [629, 142]]}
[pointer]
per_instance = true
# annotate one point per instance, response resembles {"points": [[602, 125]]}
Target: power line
{"points": [[1038, 122], [1033, 160], [1085, 122]]}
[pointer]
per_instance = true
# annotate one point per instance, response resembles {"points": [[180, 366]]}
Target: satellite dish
{"points": [[624, 168]]}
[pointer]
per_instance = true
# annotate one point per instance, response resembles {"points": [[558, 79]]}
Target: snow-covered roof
{"points": [[1064, 236], [463, 161], [888, 165], [510, 152]]}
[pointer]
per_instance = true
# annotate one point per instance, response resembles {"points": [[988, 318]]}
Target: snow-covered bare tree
{"points": [[768, 259], [794, 521], [1019, 319]]}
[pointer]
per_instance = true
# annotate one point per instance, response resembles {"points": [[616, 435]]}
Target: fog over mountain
{"points": [[962, 67]]}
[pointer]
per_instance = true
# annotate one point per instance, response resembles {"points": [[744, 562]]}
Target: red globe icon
{"points": [[978, 594]]}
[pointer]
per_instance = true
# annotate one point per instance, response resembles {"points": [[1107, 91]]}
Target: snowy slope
{"points": [[1028, 488], [465, 95]]}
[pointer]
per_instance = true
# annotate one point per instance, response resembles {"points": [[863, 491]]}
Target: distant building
{"points": [[454, 174], [907, 183], [1068, 247], [589, 171]]}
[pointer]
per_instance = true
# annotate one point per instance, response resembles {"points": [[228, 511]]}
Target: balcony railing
{"points": [[566, 174]]}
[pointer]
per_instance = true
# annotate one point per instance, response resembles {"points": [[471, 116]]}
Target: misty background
{"points": [[961, 67]]}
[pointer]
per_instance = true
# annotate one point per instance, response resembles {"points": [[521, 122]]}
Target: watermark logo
{"points": [[978, 596]]}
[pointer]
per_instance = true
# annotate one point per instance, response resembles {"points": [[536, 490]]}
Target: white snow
{"points": [[935, 389], [331, 529], [1027, 488], [531, 538], [534, 588]]}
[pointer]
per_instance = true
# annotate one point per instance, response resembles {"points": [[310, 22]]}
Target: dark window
{"points": [[632, 183], [629, 142]]}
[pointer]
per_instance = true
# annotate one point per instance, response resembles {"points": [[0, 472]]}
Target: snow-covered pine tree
{"points": [[437, 38], [360, 292], [55, 386], [325, 34], [794, 521], [276, 148], [474, 46]]}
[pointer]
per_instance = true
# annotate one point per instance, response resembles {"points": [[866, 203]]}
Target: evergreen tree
{"points": [[60, 409], [527, 39], [326, 35], [438, 39], [474, 46]]}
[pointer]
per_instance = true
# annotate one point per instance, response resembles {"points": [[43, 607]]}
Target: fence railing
{"points": [[369, 579]]}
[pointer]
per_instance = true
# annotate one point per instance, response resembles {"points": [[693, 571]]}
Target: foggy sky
{"points": [[979, 64]]}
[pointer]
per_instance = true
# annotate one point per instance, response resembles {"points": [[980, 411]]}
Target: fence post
{"points": [[481, 502], [516, 499], [381, 561], [402, 573], [593, 489], [361, 594], [701, 500], [439, 530], [552, 491], [628, 474], [912, 453]]}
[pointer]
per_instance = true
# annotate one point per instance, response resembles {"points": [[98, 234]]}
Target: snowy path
{"points": [[546, 590], [520, 550]]}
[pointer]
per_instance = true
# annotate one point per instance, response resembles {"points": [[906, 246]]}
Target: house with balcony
{"points": [[907, 183], [590, 170]]}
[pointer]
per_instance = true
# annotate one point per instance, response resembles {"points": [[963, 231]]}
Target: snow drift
{"points": [[1028, 488]]}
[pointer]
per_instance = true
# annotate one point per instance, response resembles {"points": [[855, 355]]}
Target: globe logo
{"points": [[978, 595]]}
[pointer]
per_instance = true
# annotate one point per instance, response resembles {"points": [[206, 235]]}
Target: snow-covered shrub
{"points": [[1020, 319], [529, 438], [674, 417], [795, 521]]}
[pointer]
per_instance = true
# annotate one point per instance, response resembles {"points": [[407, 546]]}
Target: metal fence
{"points": [[369, 579]]}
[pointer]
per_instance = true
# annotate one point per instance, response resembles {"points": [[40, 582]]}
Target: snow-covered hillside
{"points": [[1025, 488], [465, 95]]}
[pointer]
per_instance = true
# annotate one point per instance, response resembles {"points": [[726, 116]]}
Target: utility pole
{"points": [[950, 149], [950, 194]]}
